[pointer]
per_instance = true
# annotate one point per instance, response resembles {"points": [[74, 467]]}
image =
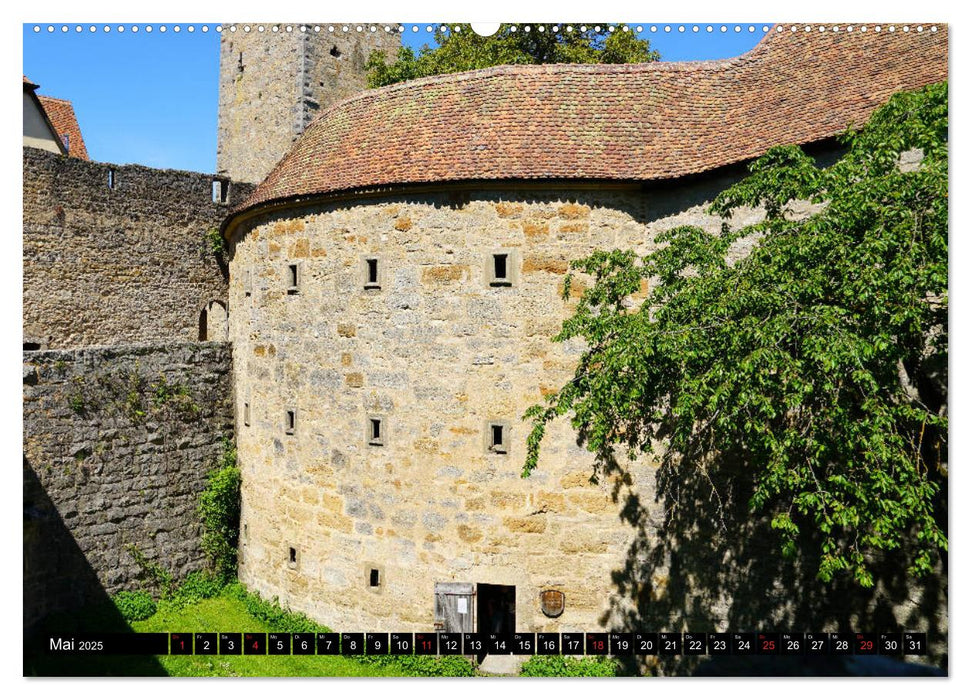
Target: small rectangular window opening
{"points": [[247, 284], [371, 280], [291, 422], [498, 435], [375, 578], [220, 190], [499, 273], [111, 178], [293, 279], [375, 431], [246, 414], [293, 555]]}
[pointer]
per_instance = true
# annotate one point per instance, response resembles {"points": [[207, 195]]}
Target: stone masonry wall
{"points": [[117, 444], [271, 84], [117, 254], [438, 355]]}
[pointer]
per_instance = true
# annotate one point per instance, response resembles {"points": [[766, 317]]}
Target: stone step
{"points": [[501, 665]]}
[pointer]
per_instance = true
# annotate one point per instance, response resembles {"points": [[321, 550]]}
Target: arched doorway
{"points": [[214, 322]]}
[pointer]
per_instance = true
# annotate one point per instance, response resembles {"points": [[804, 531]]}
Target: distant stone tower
{"points": [[272, 84]]}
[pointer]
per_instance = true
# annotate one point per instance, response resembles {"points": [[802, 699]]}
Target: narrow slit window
{"points": [[374, 578], [375, 431], [291, 422], [292, 558], [371, 274], [246, 413], [247, 284], [220, 190], [497, 438], [499, 270], [293, 278], [111, 178]]}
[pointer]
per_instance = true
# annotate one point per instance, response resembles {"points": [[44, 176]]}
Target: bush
{"points": [[134, 605], [219, 511], [214, 242], [199, 585], [567, 666]]}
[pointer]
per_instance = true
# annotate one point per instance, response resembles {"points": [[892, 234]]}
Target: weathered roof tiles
{"points": [[65, 122], [631, 122]]}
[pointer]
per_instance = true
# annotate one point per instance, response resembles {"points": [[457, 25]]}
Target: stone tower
{"points": [[273, 82]]}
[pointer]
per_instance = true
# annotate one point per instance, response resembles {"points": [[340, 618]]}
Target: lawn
{"points": [[224, 614], [201, 605], [231, 610]]}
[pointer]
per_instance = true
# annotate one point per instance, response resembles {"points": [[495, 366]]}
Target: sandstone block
{"points": [[508, 210], [534, 263], [574, 211], [525, 525]]}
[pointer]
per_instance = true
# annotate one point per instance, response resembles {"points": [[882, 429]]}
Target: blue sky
{"points": [[151, 97]]}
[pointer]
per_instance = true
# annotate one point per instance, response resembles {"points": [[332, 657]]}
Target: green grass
{"points": [[227, 614], [231, 610]]}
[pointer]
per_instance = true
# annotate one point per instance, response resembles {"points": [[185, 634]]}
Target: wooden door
{"points": [[453, 607]]}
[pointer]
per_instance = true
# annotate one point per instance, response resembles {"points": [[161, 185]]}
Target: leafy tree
{"points": [[463, 50], [815, 365]]}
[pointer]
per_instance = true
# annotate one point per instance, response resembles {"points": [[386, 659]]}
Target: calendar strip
{"points": [[659, 644]]}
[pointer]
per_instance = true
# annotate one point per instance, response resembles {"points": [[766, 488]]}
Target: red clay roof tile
{"points": [[605, 122], [61, 114]]}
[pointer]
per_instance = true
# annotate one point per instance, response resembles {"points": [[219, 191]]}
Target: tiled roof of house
{"points": [[61, 114], [29, 83], [633, 122]]}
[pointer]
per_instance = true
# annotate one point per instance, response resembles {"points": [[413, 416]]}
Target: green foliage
{"points": [[159, 578], [134, 605], [219, 510], [197, 586], [463, 50], [214, 242], [76, 399], [568, 666], [421, 666], [277, 619], [178, 395], [270, 612], [131, 395], [815, 366]]}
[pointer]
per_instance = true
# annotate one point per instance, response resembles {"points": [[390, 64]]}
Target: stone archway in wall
{"points": [[214, 322]]}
